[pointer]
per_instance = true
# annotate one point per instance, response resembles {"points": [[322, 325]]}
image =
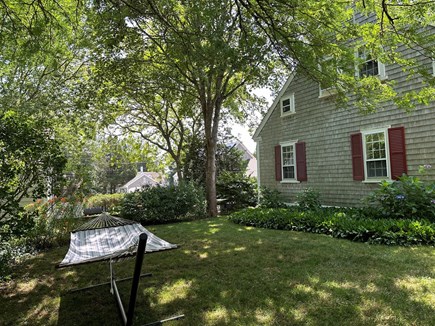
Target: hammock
{"points": [[107, 237], [112, 238]]}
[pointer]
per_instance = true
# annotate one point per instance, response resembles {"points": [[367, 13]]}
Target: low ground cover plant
{"points": [[341, 223]]}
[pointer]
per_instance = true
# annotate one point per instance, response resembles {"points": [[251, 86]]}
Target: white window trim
{"points": [[433, 67], [387, 155], [326, 92], [292, 110], [382, 74], [295, 179]]}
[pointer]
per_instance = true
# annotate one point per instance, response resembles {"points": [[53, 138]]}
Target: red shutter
{"points": [[357, 157], [278, 169], [396, 139], [301, 162]]}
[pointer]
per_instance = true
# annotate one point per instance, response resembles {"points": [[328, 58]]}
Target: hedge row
{"points": [[345, 224]]}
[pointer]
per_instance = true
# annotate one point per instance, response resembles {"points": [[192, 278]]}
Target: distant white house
{"points": [[251, 169], [142, 179]]}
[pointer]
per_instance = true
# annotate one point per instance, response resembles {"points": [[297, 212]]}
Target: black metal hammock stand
{"points": [[109, 238]]}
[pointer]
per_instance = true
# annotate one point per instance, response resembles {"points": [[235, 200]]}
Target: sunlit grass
{"points": [[224, 274]]}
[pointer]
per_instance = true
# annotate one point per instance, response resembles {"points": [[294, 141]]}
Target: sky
{"points": [[242, 133]]}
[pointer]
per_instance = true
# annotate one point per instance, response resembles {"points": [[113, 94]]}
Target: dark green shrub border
{"points": [[341, 223]]}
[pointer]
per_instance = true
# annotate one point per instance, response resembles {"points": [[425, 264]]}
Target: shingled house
{"points": [[305, 141]]}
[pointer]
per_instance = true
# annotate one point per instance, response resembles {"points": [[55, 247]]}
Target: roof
{"points": [[273, 106], [153, 176]]}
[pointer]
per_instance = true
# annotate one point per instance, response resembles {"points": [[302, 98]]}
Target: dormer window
{"points": [[369, 65], [288, 104]]}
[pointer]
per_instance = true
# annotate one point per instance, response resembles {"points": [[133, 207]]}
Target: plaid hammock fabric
{"points": [[106, 237]]}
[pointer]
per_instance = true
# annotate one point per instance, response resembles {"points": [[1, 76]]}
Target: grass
{"points": [[226, 274]]}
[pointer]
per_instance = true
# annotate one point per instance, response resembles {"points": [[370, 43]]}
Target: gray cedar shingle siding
{"points": [[326, 132]]}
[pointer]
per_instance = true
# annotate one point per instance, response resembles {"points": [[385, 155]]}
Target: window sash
{"points": [[288, 159], [288, 104], [376, 155]]}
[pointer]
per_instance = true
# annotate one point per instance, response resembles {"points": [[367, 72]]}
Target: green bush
{"points": [[341, 223], [109, 202], [309, 200], [35, 229], [408, 197], [155, 205], [270, 198], [236, 190]]}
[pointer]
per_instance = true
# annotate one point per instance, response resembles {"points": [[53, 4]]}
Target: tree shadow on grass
{"points": [[226, 274]]}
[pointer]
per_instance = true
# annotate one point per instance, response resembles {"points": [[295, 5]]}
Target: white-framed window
{"points": [[376, 155], [288, 159], [368, 65], [327, 87], [288, 104]]}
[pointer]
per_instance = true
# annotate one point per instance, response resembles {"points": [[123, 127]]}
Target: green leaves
{"points": [[31, 162], [341, 223]]}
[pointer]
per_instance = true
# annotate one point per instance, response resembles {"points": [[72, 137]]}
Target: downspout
{"points": [[257, 150]]}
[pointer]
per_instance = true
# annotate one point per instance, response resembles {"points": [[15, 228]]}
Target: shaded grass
{"points": [[227, 274]]}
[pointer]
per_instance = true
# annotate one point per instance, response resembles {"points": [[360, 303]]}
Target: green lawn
{"points": [[226, 274]]}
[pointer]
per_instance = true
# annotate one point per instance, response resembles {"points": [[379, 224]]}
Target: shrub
{"points": [[110, 202], [309, 200], [34, 230], [236, 190], [341, 223], [408, 197], [49, 223], [270, 198], [154, 205]]}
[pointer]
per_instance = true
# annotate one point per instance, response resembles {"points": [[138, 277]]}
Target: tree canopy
{"points": [[166, 63]]}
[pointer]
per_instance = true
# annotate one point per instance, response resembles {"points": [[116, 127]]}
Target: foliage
{"points": [[43, 225], [155, 205], [30, 157], [309, 200], [236, 190], [228, 159], [270, 198], [406, 198], [341, 223], [110, 202]]}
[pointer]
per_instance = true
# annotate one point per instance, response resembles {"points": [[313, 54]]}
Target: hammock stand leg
{"points": [[127, 318]]}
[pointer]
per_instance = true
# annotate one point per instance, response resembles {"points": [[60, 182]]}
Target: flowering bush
{"points": [[408, 197], [309, 200]]}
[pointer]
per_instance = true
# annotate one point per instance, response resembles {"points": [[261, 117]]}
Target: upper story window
{"points": [[326, 86], [369, 66], [288, 104]]}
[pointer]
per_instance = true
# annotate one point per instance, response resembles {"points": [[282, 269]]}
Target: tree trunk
{"points": [[210, 176]]}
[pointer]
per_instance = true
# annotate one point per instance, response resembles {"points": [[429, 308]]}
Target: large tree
{"points": [[215, 51], [210, 51], [197, 48]]}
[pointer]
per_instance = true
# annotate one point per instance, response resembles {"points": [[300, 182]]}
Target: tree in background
{"points": [[211, 53], [31, 161]]}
